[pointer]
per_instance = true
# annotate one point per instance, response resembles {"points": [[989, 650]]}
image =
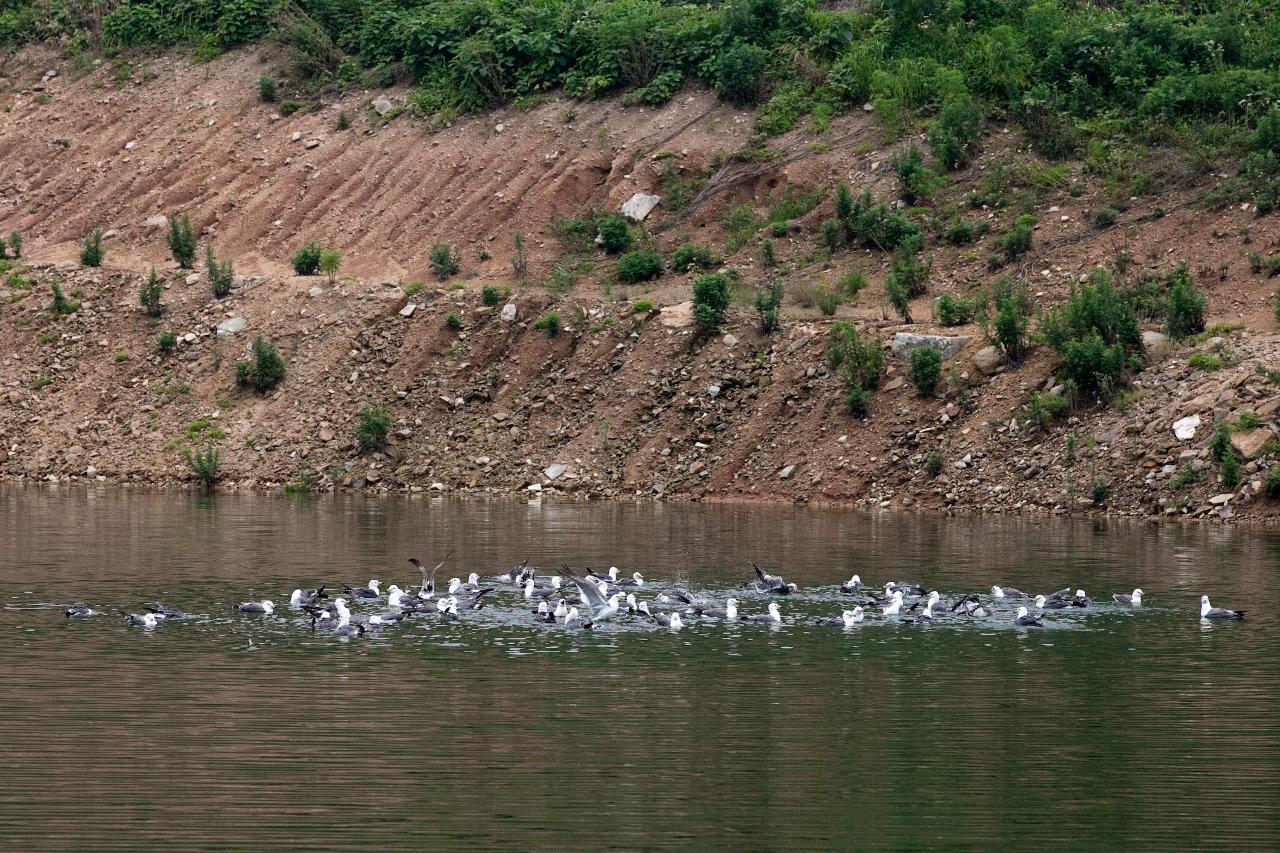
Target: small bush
{"points": [[1041, 409], [15, 245], [1272, 484], [691, 256], [851, 283], [1230, 469], [639, 266], [182, 241], [1005, 314], [911, 273], [767, 254], [828, 300], [446, 260], [926, 369], [898, 298], [739, 72], [710, 300], [913, 178], [91, 251], [861, 359], [959, 124], [549, 323], [306, 261], [266, 89], [1206, 361], [963, 233], [203, 465], [642, 306], [1105, 217], [1185, 306], [167, 342], [768, 302], [1187, 474], [933, 462], [264, 372], [371, 432], [452, 321], [62, 306], [490, 295], [519, 256], [615, 235], [954, 311], [858, 399], [221, 274], [1016, 242], [1098, 491], [344, 123], [149, 294], [1220, 443], [330, 263]]}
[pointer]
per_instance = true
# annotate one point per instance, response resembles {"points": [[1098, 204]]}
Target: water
{"points": [[1107, 729]]}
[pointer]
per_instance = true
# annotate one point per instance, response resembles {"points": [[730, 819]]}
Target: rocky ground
{"points": [[620, 404]]}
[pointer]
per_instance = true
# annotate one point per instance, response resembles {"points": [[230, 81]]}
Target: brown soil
{"points": [[629, 405]]}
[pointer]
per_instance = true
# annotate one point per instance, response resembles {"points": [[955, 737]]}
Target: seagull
{"points": [[636, 580], [573, 620], [1007, 592], [164, 611], [543, 613], [894, 606], [1024, 620], [675, 594], [1207, 611], [971, 605], [847, 619], [772, 583], [473, 602], [592, 597], [300, 597], [472, 586], [1081, 600], [852, 585], [396, 597], [561, 610], [1134, 598], [673, 621], [146, 620], [428, 588], [1051, 603], [772, 617], [1063, 594], [365, 593], [729, 613], [532, 591], [263, 606], [513, 576], [81, 609]]}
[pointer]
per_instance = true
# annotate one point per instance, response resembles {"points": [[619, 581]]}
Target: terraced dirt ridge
{"points": [[622, 403]]}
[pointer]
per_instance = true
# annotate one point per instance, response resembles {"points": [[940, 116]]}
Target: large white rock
{"points": [[381, 106], [639, 206], [553, 472], [904, 342], [231, 325], [508, 314], [1185, 429]]}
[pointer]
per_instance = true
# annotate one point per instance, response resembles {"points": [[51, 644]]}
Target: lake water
{"points": [[1108, 729]]}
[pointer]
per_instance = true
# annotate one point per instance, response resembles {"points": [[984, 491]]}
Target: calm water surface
{"points": [[1108, 729]]}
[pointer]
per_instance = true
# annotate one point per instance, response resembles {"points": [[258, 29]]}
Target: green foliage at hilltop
{"points": [[1058, 67]]}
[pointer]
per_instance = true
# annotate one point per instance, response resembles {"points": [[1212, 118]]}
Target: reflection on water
{"points": [[1143, 729]]}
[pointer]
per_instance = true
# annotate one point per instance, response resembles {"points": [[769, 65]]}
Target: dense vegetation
{"points": [[1060, 69]]}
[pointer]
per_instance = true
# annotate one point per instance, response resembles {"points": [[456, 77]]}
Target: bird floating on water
{"points": [[1208, 611], [1026, 620], [1133, 599]]}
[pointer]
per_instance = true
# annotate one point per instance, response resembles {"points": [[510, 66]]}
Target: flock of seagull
{"points": [[580, 602]]}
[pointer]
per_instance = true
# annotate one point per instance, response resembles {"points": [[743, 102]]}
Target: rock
{"points": [[535, 487], [787, 473], [381, 106], [311, 143], [231, 325], [314, 292], [508, 314], [326, 435], [1154, 340], [553, 472], [1249, 442], [676, 316], [1219, 500], [437, 487], [1185, 429], [189, 338], [194, 278], [499, 127], [905, 342], [407, 311], [639, 206], [157, 221], [713, 391], [130, 145], [729, 340], [295, 136], [988, 361]]}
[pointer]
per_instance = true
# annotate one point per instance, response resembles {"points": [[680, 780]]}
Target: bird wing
{"points": [[591, 596]]}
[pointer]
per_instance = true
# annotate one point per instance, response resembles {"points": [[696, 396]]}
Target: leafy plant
{"points": [[306, 261], [265, 371], [1185, 312], [739, 72], [710, 300], [926, 369], [203, 464], [371, 432], [446, 260], [519, 257], [913, 177], [691, 256], [15, 244], [933, 461], [1004, 312], [62, 306], [221, 274], [167, 342], [452, 321], [182, 241], [330, 262], [266, 89], [490, 295], [615, 235], [954, 310], [91, 251], [1043, 408], [639, 266], [768, 303], [549, 323], [1016, 242], [959, 124], [149, 294]]}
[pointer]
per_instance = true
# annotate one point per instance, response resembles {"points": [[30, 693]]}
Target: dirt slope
{"points": [[630, 405]]}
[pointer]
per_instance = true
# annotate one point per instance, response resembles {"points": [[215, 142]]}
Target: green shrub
{"points": [[1187, 474], [860, 359], [933, 461], [1272, 483], [1230, 469], [203, 464], [710, 300], [615, 235], [639, 266], [858, 399], [519, 256], [851, 283], [1248, 420], [1016, 242], [1099, 489], [740, 226], [691, 256], [766, 253], [908, 270], [768, 303], [1105, 217], [371, 432], [221, 274], [167, 342], [490, 295], [306, 261], [955, 311], [182, 241], [330, 263], [150, 293], [872, 224], [793, 203], [642, 306], [1043, 408], [739, 72], [962, 233], [91, 251], [898, 297], [452, 321], [913, 178], [1206, 361], [959, 124], [1185, 311], [1220, 442], [926, 369], [1004, 312], [1097, 336], [15, 245], [62, 306], [828, 299], [264, 372], [549, 323], [446, 260]]}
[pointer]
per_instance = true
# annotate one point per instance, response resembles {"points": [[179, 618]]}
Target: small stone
{"points": [[904, 342], [1219, 500], [407, 311], [314, 292], [295, 136], [193, 278], [130, 145], [988, 361], [1185, 429], [508, 314], [231, 325], [381, 106], [729, 340], [311, 143], [553, 472], [639, 206], [326, 435], [713, 390], [787, 473]]}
